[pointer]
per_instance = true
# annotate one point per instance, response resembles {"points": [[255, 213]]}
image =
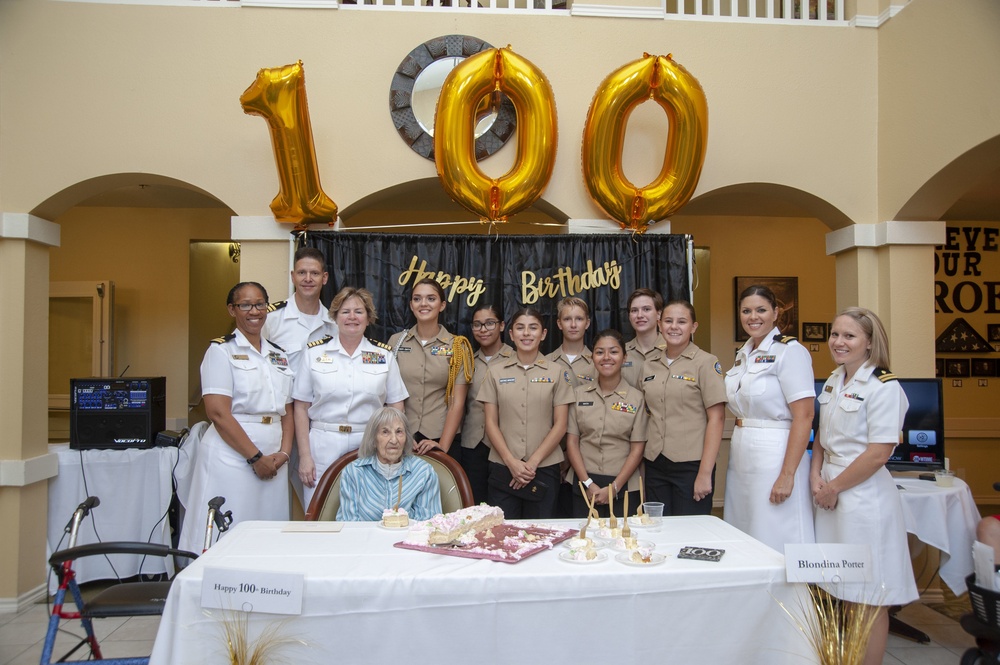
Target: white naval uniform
{"points": [[759, 388], [260, 385], [290, 329], [344, 390], [867, 411]]}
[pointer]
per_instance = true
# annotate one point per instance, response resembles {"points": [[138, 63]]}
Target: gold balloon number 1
{"points": [[279, 96]]}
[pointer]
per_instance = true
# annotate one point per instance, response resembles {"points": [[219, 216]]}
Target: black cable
{"points": [[93, 519], [173, 490]]}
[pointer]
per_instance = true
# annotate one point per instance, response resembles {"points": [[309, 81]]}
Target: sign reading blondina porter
{"points": [[252, 591], [830, 563], [507, 271]]}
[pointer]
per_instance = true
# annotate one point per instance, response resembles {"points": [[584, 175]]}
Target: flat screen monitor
{"points": [[922, 443]]}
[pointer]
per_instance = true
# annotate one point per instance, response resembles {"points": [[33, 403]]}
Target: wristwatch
{"points": [[588, 482], [253, 460]]}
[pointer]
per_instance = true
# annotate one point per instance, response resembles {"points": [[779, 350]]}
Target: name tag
{"points": [[627, 363], [441, 351], [828, 389], [585, 404], [252, 591], [404, 349], [832, 563], [325, 359], [763, 359], [372, 358], [541, 379], [240, 356], [624, 407], [508, 380], [649, 378]]}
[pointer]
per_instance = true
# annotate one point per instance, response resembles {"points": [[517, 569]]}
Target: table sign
{"points": [[252, 591], [828, 562], [701, 553]]}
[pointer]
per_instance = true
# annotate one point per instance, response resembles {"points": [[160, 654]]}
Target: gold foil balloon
{"points": [[279, 96], [680, 95], [478, 77]]}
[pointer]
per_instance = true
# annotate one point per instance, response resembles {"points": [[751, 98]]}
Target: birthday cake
{"points": [[450, 527], [395, 519]]}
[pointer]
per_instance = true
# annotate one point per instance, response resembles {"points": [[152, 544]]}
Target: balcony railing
{"points": [[804, 12]]}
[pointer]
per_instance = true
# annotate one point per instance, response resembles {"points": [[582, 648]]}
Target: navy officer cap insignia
{"points": [[223, 340], [318, 342], [884, 375], [275, 306], [381, 345], [784, 339]]}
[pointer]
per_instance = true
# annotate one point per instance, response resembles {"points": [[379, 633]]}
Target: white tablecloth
{"points": [[368, 602], [944, 518], [134, 487]]}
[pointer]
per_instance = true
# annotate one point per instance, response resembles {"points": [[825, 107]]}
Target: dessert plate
{"points": [[567, 556], [598, 543], [654, 559], [619, 545], [636, 523], [393, 528]]}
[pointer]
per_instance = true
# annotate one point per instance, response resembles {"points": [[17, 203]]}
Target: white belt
{"points": [[836, 460], [765, 424], [260, 418], [337, 427]]}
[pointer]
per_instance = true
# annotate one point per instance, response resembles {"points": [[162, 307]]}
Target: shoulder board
{"points": [[223, 340], [319, 342], [784, 339], [381, 345], [275, 346], [275, 306], [884, 375]]}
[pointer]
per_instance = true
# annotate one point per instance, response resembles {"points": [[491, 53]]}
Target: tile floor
{"points": [[21, 638]]}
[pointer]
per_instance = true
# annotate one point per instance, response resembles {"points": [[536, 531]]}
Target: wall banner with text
{"points": [[508, 271]]}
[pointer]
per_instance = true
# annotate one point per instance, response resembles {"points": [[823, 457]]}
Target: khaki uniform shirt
{"points": [[474, 423], [607, 424], [526, 399], [424, 368], [634, 360], [580, 371], [677, 397]]}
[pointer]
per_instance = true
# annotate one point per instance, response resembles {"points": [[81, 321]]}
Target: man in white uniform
{"points": [[293, 323]]}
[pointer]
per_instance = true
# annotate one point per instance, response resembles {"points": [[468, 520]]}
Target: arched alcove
{"points": [[422, 206], [165, 245]]}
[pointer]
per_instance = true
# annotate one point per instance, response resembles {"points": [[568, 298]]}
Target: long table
{"points": [[365, 601]]}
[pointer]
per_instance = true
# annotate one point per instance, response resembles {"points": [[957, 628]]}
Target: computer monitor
{"points": [[922, 443]]}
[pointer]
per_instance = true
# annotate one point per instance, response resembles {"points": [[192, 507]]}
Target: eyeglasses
{"points": [[247, 306], [485, 325]]}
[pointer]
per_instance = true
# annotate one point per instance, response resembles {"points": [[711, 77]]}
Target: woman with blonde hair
{"points": [[861, 415]]}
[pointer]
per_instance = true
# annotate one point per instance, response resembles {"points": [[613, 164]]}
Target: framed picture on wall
{"points": [[957, 368], [984, 367], [993, 332], [786, 291], [939, 368], [814, 332]]}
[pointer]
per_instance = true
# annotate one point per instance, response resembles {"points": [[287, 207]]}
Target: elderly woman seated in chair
{"points": [[387, 474]]}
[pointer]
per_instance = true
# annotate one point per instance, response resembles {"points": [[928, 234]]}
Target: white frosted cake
{"points": [[450, 527], [395, 519]]}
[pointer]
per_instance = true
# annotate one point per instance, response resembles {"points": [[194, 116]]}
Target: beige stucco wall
{"points": [[938, 64], [96, 89]]}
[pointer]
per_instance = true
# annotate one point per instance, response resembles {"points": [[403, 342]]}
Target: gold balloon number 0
{"points": [[478, 76], [279, 96], [680, 95]]}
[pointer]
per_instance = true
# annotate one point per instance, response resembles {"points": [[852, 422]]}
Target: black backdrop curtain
{"points": [[508, 271]]}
